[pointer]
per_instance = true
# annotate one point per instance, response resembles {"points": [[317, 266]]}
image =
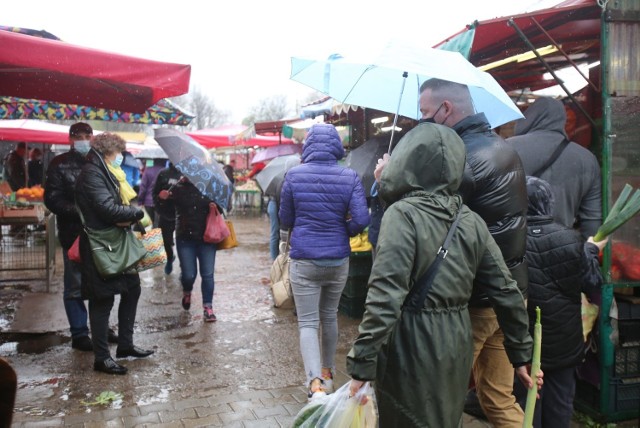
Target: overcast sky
{"points": [[240, 50]]}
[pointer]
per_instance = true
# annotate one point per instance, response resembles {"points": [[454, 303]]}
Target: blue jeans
{"points": [[274, 241], [71, 295], [317, 291], [191, 253]]}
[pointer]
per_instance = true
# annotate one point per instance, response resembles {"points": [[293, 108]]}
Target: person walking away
{"points": [[62, 174], [229, 170], [15, 171], [561, 266], [324, 204], [572, 170], [34, 168], [421, 361], [131, 168], [192, 209], [166, 211], [493, 186], [102, 204], [145, 195]]}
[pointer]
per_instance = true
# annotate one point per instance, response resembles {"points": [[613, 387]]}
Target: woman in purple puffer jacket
{"points": [[323, 204]]}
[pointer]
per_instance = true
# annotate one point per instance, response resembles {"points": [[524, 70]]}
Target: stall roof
{"points": [[574, 25]]}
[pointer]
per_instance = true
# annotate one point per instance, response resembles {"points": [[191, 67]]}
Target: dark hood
{"points": [[429, 158], [545, 114], [540, 197]]}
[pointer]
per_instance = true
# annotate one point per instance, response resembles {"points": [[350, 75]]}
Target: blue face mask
{"points": [[82, 146], [117, 161]]}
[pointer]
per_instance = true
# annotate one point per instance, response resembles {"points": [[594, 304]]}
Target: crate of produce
{"points": [[27, 212], [352, 307], [356, 286], [360, 264]]}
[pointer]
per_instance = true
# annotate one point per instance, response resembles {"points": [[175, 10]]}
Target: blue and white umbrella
{"points": [[390, 80], [196, 164]]}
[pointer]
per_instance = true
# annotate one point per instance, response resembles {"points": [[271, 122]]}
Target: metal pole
{"points": [[395, 118], [550, 70]]}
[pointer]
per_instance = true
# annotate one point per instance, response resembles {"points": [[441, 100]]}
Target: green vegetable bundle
{"points": [[623, 209], [535, 368]]}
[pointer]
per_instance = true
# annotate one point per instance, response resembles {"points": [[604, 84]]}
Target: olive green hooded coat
{"points": [[421, 362]]}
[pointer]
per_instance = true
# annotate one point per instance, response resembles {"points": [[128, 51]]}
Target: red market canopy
{"points": [[574, 25], [44, 69], [33, 131], [233, 136]]}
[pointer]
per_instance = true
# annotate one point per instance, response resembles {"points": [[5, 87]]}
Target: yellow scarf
{"points": [[126, 191]]}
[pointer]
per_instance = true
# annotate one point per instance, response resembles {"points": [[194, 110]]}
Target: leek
{"points": [[535, 368], [622, 211]]}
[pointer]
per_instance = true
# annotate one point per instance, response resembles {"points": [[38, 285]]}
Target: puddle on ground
{"points": [[23, 343]]}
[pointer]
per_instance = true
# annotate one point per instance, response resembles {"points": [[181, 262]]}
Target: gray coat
{"points": [[574, 177]]}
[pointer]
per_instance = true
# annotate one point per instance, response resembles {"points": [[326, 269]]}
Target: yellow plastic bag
{"points": [[589, 316]]}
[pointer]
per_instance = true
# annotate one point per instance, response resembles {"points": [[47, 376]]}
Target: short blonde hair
{"points": [[108, 143]]}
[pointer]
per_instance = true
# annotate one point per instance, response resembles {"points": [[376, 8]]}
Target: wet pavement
{"points": [[244, 370]]}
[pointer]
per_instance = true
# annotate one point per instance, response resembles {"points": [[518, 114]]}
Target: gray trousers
{"points": [[317, 291]]}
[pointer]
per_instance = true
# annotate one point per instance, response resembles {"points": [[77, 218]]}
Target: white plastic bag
{"points": [[338, 410]]}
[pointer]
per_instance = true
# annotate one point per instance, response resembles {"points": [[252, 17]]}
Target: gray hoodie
{"points": [[574, 176]]}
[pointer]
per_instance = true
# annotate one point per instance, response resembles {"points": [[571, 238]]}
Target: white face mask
{"points": [[82, 146]]}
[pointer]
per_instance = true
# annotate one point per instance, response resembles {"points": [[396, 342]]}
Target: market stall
{"points": [[526, 53], [27, 238]]}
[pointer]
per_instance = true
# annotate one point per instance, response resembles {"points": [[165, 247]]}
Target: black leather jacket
{"points": [[62, 173], [494, 186]]}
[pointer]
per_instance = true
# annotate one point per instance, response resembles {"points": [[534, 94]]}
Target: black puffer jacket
{"points": [[192, 209], [561, 265], [62, 173], [494, 187], [98, 198]]}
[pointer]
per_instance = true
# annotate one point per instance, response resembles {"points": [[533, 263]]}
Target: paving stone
{"points": [[213, 409], [245, 415], [262, 423], [282, 399], [265, 412], [177, 415], [151, 418], [246, 404], [113, 423], [156, 407], [207, 421], [199, 402], [293, 409]]}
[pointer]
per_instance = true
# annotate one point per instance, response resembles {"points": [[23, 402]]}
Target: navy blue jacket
{"points": [[324, 203]]}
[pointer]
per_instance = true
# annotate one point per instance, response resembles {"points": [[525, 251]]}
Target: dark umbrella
{"points": [[270, 178], [363, 160], [195, 163]]}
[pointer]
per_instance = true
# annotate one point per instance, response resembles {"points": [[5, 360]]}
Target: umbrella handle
{"points": [[395, 118]]}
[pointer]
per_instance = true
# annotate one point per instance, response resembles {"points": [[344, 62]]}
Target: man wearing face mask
{"points": [[58, 198], [494, 186]]}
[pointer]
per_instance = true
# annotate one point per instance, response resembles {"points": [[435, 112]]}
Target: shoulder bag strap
{"points": [[554, 156], [416, 297]]}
